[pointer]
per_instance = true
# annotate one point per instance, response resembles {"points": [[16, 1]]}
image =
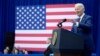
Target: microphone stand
{"points": [[59, 25]]}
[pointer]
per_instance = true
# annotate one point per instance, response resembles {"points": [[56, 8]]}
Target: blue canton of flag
{"points": [[32, 17]]}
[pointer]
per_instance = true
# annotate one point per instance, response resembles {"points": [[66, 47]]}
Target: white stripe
{"points": [[55, 24], [31, 45], [31, 38], [71, 9], [61, 16], [33, 31]]}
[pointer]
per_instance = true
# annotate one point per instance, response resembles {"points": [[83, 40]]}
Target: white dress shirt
{"points": [[77, 23]]}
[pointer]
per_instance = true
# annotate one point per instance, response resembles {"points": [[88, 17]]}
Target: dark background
{"points": [[7, 16]]}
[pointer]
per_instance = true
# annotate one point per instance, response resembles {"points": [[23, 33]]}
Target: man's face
{"points": [[79, 10]]}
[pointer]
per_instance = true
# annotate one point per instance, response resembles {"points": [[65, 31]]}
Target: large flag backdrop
{"points": [[34, 24]]}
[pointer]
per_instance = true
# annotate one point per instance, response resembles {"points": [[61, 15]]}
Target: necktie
{"points": [[78, 20]]}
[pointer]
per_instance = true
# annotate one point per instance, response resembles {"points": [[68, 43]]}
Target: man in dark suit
{"points": [[83, 27], [48, 50]]}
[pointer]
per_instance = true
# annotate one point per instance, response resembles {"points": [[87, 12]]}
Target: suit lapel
{"points": [[83, 19]]}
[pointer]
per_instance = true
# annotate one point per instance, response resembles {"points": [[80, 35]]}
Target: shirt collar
{"points": [[82, 15]]}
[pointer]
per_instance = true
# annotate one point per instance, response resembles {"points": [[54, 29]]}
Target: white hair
{"points": [[80, 4]]}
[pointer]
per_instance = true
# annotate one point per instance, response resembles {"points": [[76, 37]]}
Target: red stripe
{"points": [[33, 35], [50, 28], [69, 29], [57, 20], [60, 5], [31, 42], [61, 13], [33, 49]]}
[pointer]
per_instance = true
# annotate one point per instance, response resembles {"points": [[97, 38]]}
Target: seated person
{"points": [[25, 51], [5, 51], [15, 51], [48, 50]]}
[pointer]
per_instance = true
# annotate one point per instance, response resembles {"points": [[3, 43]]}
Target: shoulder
{"points": [[87, 16]]}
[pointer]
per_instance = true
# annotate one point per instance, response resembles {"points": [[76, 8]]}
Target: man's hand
{"points": [[75, 22]]}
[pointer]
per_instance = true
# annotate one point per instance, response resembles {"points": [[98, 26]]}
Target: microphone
{"points": [[64, 20], [60, 24]]}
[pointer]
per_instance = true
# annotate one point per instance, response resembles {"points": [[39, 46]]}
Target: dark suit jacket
{"points": [[48, 51], [85, 29]]}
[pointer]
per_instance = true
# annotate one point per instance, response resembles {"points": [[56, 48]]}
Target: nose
{"points": [[77, 11]]}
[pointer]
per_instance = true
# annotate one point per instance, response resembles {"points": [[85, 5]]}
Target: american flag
{"points": [[34, 24]]}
